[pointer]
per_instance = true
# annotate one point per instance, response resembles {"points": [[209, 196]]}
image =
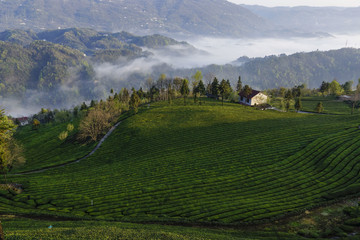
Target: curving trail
{"points": [[75, 161]]}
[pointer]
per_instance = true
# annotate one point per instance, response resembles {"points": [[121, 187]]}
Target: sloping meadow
{"points": [[211, 164]]}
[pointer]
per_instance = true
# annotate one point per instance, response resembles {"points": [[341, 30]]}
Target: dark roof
{"points": [[22, 119], [251, 95]]}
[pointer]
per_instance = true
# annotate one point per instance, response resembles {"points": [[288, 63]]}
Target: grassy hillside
{"points": [[44, 149], [209, 164], [331, 105]]}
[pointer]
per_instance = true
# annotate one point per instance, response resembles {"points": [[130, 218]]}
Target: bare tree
{"points": [[94, 125], [354, 99]]}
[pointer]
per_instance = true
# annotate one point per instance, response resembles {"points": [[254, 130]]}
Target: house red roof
{"points": [[22, 119], [251, 95]]}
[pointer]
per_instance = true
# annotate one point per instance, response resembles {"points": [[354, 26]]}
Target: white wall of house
{"points": [[259, 99]]}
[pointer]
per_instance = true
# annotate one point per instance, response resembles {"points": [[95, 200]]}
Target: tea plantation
{"points": [[208, 164], [25, 229]]}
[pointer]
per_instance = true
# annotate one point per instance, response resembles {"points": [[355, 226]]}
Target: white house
{"points": [[22, 121], [254, 98]]}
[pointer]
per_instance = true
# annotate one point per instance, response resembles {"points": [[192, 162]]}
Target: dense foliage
{"points": [[44, 67]]}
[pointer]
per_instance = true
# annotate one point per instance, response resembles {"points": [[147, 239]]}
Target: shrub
{"points": [[63, 135], [70, 127]]}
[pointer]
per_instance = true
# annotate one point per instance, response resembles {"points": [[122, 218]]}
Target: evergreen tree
{"points": [[92, 104], [324, 88], [141, 93], [296, 91], [247, 90], [124, 95], [134, 102], [298, 104], [239, 85], [348, 86], [185, 89], [288, 98], [116, 97], [225, 90], [229, 85], [215, 88], [201, 89], [154, 93], [169, 92], [195, 93], [83, 106]]}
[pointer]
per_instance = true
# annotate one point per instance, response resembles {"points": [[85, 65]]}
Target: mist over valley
{"points": [[118, 59]]}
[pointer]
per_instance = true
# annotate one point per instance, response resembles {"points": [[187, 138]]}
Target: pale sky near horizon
{"points": [[293, 3]]}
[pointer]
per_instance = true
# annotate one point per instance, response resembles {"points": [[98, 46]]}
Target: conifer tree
{"points": [[215, 88], [298, 104], [185, 89], [239, 85], [224, 89], [201, 89], [134, 102]]}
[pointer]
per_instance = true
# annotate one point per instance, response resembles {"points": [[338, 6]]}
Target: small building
{"points": [[344, 98], [254, 98], [22, 121]]}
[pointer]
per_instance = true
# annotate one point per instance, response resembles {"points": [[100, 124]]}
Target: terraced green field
{"points": [[25, 229], [44, 149], [204, 164], [330, 103]]}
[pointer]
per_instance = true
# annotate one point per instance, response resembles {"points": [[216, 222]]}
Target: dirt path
{"points": [[75, 161]]}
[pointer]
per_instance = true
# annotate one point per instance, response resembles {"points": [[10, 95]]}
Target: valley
{"points": [[179, 119]]}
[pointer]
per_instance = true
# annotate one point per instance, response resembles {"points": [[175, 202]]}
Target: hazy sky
{"points": [[273, 3]]}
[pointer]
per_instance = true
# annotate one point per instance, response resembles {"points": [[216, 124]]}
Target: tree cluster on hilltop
{"points": [[289, 70]]}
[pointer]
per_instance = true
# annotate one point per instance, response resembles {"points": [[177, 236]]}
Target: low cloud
{"points": [[206, 51]]}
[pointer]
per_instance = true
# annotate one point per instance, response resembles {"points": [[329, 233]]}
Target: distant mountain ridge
{"points": [[311, 19], [288, 70], [201, 17]]}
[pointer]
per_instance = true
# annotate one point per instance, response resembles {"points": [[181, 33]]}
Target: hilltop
{"points": [[210, 164]]}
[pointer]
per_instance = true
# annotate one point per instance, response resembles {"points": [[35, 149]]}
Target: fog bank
{"points": [[226, 50], [132, 73]]}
